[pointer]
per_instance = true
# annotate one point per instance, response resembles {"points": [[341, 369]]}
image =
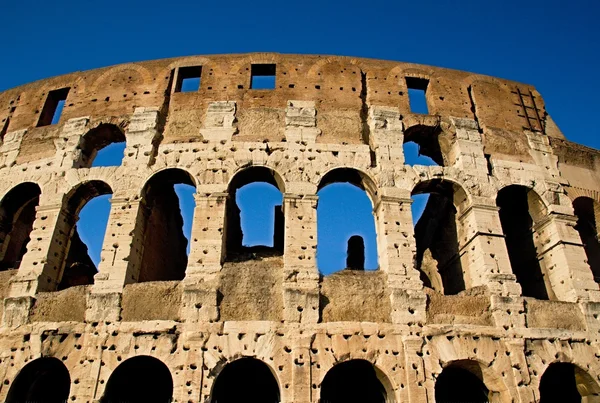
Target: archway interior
{"points": [[345, 212], [161, 228], [559, 384], [17, 214], [85, 237], [261, 215], [517, 225], [438, 254], [352, 381], [140, 379], [44, 380], [245, 380], [254, 214], [587, 210], [456, 384], [102, 146]]}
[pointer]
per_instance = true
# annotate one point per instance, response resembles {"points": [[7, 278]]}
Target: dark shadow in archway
{"points": [[352, 381], [17, 214], [567, 383], [585, 210], [159, 228], [141, 379], [245, 380], [456, 384], [45, 380], [517, 225]]}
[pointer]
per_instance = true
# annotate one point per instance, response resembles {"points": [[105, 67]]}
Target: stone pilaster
{"points": [[386, 137], [301, 122], [68, 154], [397, 249], [10, 147], [301, 279], [415, 370], [41, 266], [142, 136], [205, 259], [466, 152], [119, 260], [563, 259], [219, 121]]}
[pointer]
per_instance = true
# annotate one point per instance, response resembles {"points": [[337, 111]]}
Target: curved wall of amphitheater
{"points": [[499, 285]]}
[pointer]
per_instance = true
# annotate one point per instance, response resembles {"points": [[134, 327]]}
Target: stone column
{"points": [[9, 150], [206, 257], [415, 369], [142, 137], [120, 258], [485, 261], [563, 259], [42, 264], [397, 249], [67, 152], [301, 277], [466, 152]]}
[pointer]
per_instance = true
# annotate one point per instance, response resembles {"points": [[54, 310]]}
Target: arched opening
{"points": [[254, 221], [139, 379], [245, 380], [438, 252], [564, 382], [164, 225], [518, 205], [461, 382], [17, 214], [345, 214], [82, 238], [422, 145], [353, 381], [586, 210], [43, 380], [102, 146]]}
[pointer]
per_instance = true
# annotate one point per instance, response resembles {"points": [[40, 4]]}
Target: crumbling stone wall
{"points": [[327, 119]]}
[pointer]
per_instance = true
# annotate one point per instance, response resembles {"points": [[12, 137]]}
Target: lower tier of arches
{"points": [[160, 361]]}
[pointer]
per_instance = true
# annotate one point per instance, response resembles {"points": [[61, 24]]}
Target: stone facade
{"points": [[457, 291]]}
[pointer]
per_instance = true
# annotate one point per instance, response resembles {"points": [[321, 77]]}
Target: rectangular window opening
{"points": [[417, 87], [262, 77], [188, 79], [53, 107]]}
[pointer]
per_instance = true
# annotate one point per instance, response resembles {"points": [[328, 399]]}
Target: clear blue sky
{"points": [[553, 45]]}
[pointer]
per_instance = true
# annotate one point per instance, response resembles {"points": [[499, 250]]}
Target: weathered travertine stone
{"points": [[328, 119]]}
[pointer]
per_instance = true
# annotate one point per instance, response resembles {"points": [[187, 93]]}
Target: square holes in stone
{"points": [[417, 87], [262, 77], [188, 79], [53, 107]]}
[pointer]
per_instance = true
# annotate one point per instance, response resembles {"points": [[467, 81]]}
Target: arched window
{"points": [[77, 266], [345, 223], [163, 226], [518, 205], [254, 214], [139, 379], [354, 381], [245, 380], [586, 210], [43, 380], [102, 146], [17, 213], [461, 382], [565, 382], [438, 254]]}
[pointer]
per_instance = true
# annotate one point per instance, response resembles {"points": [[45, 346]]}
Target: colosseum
{"points": [[492, 296]]}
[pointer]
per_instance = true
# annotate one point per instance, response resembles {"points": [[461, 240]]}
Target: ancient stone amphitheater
{"points": [[492, 296]]}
